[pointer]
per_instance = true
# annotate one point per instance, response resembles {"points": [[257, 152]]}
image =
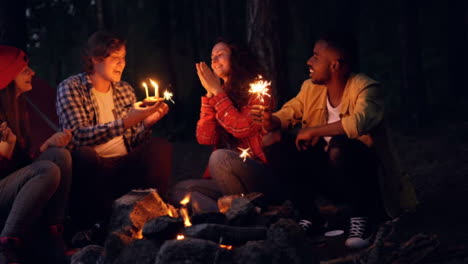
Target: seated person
{"points": [[34, 184], [112, 146]]}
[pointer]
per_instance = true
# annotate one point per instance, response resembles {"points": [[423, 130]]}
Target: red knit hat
{"points": [[12, 61]]}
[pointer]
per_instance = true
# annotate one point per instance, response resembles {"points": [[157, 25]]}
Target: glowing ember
{"points": [[168, 96], [260, 88], [180, 237], [156, 88], [244, 154], [169, 213]]}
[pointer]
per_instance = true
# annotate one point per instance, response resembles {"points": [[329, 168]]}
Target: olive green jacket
{"points": [[362, 117]]}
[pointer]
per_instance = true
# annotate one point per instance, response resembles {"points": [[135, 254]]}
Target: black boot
{"points": [[10, 247]]}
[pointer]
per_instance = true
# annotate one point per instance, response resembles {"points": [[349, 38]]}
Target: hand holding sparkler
{"points": [[260, 112], [162, 110]]}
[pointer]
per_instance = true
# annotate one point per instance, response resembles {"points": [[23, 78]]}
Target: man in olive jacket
{"points": [[344, 143]]}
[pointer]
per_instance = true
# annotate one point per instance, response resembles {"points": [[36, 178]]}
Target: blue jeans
{"points": [[229, 175], [39, 189]]}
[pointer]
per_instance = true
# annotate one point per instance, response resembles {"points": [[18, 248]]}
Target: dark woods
{"points": [[417, 49]]}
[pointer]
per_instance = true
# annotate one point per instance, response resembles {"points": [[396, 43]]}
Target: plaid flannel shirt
{"points": [[77, 109], [218, 112]]}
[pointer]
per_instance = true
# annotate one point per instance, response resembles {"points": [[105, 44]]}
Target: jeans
{"points": [[39, 189], [229, 175]]}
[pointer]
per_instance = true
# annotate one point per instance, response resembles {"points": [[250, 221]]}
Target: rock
{"points": [[140, 251], [231, 235], [114, 244], [285, 233], [193, 251], [258, 252], [208, 218], [241, 212], [92, 254], [162, 228]]}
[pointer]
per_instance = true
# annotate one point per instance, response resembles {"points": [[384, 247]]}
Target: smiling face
{"points": [[220, 60], [23, 80], [111, 67], [319, 64]]}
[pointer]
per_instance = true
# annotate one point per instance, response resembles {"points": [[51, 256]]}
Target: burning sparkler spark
{"points": [[168, 96], [260, 88], [244, 153]]}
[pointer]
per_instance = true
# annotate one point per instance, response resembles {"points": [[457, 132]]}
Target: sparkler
{"points": [[168, 96], [260, 88], [244, 153]]}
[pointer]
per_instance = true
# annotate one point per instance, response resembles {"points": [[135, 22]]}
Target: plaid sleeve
{"points": [[207, 125], [237, 123], [74, 113]]}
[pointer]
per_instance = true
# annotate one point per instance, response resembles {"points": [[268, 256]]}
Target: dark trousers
{"points": [[345, 173], [99, 181]]}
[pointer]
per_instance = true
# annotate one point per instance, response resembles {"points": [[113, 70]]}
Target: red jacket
{"points": [[218, 115]]}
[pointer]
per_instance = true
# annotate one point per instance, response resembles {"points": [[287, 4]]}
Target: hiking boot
{"points": [[359, 233]]}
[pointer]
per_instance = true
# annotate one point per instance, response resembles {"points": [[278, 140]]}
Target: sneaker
{"points": [[359, 233], [310, 228]]}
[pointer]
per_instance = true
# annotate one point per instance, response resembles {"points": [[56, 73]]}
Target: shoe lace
{"points": [[358, 226]]}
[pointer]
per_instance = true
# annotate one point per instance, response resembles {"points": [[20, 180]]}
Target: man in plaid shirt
{"points": [[109, 127]]}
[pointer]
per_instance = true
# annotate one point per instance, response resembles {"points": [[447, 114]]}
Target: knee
{"points": [[218, 160], [48, 172], [62, 156]]}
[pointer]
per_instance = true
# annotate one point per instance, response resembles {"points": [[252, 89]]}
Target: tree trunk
{"points": [[263, 39], [13, 23], [456, 43], [413, 94]]}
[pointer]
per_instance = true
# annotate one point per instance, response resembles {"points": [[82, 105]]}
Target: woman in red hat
{"points": [[32, 187]]}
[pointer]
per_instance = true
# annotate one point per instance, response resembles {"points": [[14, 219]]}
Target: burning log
{"points": [[231, 235], [224, 203], [133, 210]]}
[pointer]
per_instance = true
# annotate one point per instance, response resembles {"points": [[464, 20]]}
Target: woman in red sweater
{"points": [[33, 187], [225, 123]]}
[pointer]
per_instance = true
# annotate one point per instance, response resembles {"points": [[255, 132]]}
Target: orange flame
{"points": [[180, 237], [186, 200], [184, 213], [228, 247], [156, 88]]}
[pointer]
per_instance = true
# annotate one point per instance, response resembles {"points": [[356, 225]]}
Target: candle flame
{"points": [[156, 88], [168, 96], [260, 88], [244, 153], [180, 237], [146, 89]]}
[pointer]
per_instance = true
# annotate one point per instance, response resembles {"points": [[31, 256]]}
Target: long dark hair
{"points": [[13, 110], [244, 70]]}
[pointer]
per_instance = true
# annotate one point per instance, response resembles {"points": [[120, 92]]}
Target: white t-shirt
{"points": [[116, 146], [333, 116]]}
